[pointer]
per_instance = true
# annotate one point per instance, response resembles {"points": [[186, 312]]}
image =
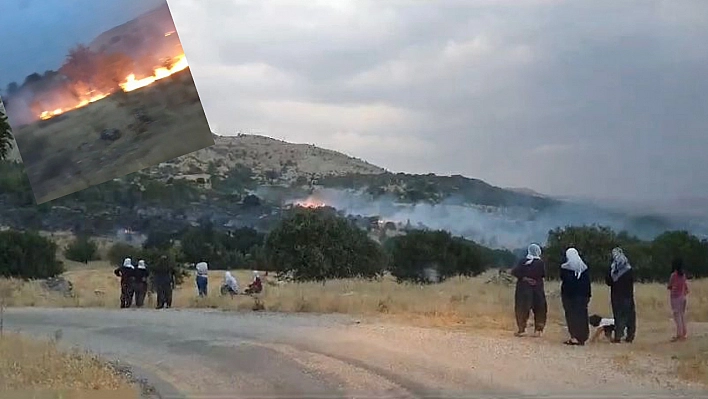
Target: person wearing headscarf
{"points": [[141, 283], [164, 282], [202, 278], [620, 279], [256, 285], [530, 294], [576, 291], [230, 283], [127, 275]]}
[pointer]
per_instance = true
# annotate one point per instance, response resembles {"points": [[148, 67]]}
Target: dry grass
{"points": [[465, 303], [65, 154], [32, 365]]}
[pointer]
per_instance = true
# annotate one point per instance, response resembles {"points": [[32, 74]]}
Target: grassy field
{"points": [[463, 304], [39, 367], [162, 121]]}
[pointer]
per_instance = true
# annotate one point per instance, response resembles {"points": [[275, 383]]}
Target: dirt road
{"points": [[194, 354]]}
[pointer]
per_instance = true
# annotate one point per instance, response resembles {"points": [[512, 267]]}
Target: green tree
{"points": [[421, 250], [672, 244], [82, 249], [317, 245], [594, 243], [119, 251], [6, 139], [28, 255]]}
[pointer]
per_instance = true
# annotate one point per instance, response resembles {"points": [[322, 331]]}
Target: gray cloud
{"points": [[597, 98]]}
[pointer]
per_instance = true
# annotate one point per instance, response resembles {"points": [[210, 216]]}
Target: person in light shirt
{"points": [[202, 278]]}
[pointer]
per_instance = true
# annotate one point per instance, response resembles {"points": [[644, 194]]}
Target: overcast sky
{"points": [[37, 34], [584, 97]]}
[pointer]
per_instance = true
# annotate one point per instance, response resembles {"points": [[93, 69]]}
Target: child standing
{"points": [[678, 291]]}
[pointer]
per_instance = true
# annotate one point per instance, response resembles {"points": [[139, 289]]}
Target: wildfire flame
{"points": [[130, 83], [310, 203], [50, 114]]}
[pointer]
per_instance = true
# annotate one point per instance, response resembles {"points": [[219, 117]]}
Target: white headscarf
{"points": [[620, 264], [574, 262], [141, 264], [231, 281], [534, 252], [256, 274], [128, 263]]}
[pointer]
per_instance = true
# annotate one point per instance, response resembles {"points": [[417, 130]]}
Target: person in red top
{"points": [[678, 290]]}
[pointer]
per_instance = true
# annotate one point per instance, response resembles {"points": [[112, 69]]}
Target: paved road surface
{"points": [[213, 354]]}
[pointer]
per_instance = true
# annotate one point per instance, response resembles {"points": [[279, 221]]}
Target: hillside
{"points": [[150, 36], [270, 160], [250, 180]]}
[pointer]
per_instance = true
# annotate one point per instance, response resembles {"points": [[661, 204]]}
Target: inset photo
{"points": [[95, 90]]}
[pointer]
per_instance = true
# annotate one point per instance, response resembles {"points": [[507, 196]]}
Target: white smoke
{"points": [[495, 227]]}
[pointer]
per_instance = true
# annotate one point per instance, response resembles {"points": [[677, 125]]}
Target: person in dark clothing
{"points": [[530, 294], [620, 279], [575, 296], [126, 274], [164, 282], [141, 283]]}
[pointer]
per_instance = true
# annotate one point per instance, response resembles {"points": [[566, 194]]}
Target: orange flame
{"points": [[130, 83], [310, 203]]}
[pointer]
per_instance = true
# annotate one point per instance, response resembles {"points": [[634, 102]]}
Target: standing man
{"points": [[530, 294], [141, 283], [164, 281], [127, 275], [202, 278]]}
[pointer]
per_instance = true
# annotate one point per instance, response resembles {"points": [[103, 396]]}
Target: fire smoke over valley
{"points": [[497, 227]]}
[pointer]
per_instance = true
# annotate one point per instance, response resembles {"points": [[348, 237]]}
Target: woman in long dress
{"points": [[576, 292]]}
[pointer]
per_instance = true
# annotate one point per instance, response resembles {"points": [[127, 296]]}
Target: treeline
{"points": [[319, 245], [651, 260]]}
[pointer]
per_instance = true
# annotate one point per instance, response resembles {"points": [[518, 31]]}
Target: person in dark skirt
{"points": [[620, 279], [141, 283], [575, 296], [530, 294], [164, 282], [127, 276]]}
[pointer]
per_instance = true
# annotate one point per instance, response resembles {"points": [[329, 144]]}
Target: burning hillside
{"points": [[128, 84]]}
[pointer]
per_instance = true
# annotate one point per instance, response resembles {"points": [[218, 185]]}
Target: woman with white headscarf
{"points": [[127, 277], [530, 294], [230, 283], [575, 295], [620, 279], [141, 283]]}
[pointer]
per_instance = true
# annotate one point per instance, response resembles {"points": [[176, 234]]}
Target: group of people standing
{"points": [[576, 292], [135, 283]]}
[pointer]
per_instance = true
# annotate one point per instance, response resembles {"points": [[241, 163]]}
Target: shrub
{"points": [[28, 255], [316, 245], [421, 251], [82, 249]]}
